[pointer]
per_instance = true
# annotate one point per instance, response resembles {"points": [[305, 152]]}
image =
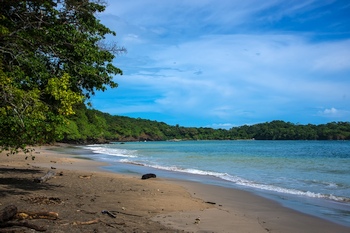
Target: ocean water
{"points": [[309, 176]]}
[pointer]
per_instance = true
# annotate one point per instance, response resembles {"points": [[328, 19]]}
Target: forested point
{"points": [[93, 126]]}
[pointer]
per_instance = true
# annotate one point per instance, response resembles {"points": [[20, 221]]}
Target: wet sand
{"points": [[80, 191]]}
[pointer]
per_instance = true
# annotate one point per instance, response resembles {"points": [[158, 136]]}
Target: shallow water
{"points": [[309, 176]]}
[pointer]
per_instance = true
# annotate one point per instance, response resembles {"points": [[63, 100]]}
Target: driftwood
{"points": [[46, 177], [36, 215], [210, 202], [85, 176], [11, 213], [8, 213], [87, 222]]}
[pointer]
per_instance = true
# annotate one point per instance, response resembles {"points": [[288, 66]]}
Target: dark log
{"points": [[46, 177], [210, 202], [8, 213], [148, 175]]}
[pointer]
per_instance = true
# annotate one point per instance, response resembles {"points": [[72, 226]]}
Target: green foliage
{"points": [[97, 127], [51, 56], [58, 88], [280, 130], [24, 118]]}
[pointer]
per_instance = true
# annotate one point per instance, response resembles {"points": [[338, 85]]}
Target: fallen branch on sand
{"points": [[36, 215], [10, 213], [87, 222], [46, 177]]}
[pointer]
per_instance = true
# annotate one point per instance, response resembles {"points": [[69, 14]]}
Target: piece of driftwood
{"points": [[210, 202], [36, 215], [85, 176], [8, 213], [46, 177], [22, 224], [87, 222]]}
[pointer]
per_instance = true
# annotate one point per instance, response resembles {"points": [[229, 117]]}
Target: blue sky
{"points": [[226, 63]]}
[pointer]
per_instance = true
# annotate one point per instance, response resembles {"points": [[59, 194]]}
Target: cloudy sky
{"points": [[225, 63]]}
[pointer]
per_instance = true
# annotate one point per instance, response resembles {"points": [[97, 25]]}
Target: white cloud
{"points": [[192, 58], [335, 114], [221, 125], [331, 111], [234, 80]]}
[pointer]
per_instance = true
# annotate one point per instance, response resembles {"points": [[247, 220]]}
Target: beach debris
{"points": [[148, 175], [43, 200], [197, 220], [10, 212], [109, 213], [85, 176], [210, 202], [21, 215], [87, 222], [50, 174]]}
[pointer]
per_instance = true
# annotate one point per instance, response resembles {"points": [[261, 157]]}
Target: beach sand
{"points": [[80, 191]]}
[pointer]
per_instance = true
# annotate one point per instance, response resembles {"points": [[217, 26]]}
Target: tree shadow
{"points": [[14, 181]]}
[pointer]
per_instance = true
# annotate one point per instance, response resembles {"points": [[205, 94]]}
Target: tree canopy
{"points": [[52, 56], [93, 126]]}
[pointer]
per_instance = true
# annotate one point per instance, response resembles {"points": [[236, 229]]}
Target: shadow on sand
{"points": [[15, 181]]}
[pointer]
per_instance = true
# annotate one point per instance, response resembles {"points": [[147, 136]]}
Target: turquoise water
{"points": [[310, 176]]}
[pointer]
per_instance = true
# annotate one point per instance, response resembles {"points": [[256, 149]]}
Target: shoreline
{"points": [[165, 203]]}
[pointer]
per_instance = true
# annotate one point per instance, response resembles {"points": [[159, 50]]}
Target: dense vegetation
{"points": [[92, 126], [52, 56]]}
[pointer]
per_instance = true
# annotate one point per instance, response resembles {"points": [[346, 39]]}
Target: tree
{"points": [[52, 56]]}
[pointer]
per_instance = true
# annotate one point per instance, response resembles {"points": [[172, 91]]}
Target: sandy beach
{"points": [[81, 193]]}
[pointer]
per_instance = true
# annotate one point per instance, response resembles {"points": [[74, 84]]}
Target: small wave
{"points": [[112, 151], [325, 184], [131, 162], [247, 183], [273, 188]]}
